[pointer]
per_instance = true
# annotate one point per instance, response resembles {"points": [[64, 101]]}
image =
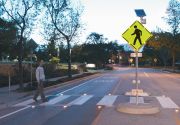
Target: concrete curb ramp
{"points": [[140, 109]]}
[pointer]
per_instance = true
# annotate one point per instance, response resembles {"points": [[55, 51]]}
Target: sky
{"points": [[112, 17]]}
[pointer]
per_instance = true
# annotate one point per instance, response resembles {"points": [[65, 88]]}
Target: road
{"points": [[88, 102]]}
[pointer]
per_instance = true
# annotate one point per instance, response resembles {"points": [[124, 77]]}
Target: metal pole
{"points": [[9, 82], [137, 101]]}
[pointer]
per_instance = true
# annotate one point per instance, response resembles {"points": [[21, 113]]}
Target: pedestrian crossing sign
{"points": [[136, 35]]}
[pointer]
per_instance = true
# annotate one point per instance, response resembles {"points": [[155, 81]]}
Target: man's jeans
{"points": [[40, 90]]}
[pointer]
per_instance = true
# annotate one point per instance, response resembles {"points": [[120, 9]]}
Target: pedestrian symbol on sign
{"points": [[138, 33]]}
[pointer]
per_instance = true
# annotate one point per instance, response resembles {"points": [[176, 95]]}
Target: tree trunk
{"points": [[69, 58], [20, 63]]}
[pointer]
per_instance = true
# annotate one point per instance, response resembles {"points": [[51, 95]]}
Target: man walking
{"points": [[40, 77], [138, 35]]}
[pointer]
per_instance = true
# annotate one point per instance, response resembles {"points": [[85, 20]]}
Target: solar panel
{"points": [[140, 12]]}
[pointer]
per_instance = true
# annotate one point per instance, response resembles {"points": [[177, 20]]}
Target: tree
{"points": [[65, 19], [77, 55], [42, 52], [95, 38], [98, 50], [22, 13], [173, 19], [161, 45], [52, 48], [8, 33], [29, 46], [94, 49]]}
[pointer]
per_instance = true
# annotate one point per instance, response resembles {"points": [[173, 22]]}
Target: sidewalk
{"points": [[171, 70]]}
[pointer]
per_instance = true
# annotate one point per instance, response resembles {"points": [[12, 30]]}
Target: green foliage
{"points": [[95, 38], [54, 60], [173, 16], [96, 50], [8, 32], [52, 48]]}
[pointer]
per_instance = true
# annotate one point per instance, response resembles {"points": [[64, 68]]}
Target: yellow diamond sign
{"points": [[136, 35]]}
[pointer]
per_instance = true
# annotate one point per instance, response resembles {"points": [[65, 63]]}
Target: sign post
{"points": [[134, 54], [137, 86], [155, 61], [136, 36]]}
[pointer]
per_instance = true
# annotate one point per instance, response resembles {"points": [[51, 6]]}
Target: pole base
{"points": [[140, 109], [134, 92]]}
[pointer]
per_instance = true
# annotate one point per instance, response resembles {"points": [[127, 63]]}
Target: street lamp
{"points": [[109, 61], [8, 58], [119, 56], [130, 60]]}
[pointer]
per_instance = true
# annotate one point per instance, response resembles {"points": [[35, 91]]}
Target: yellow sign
{"points": [[136, 35]]}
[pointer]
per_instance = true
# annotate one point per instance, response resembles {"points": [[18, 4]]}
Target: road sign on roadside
{"points": [[155, 60], [136, 35], [134, 54]]}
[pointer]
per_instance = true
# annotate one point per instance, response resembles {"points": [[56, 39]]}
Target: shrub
{"points": [[54, 60]]}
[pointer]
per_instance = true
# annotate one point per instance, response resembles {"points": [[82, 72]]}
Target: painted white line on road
{"points": [[81, 100], [107, 100], [166, 72], [104, 81], [146, 74], [166, 102], [14, 112], [172, 77], [133, 100], [78, 85], [56, 100]]}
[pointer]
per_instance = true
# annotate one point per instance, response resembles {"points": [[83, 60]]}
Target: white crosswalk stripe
{"points": [[107, 100], [166, 102], [133, 100], [81, 100], [56, 100]]}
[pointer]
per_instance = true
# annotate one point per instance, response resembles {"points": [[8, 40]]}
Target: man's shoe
{"points": [[35, 99], [45, 100]]}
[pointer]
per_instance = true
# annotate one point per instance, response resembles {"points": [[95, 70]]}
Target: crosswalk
{"points": [[56, 100], [134, 99], [166, 102], [81, 100], [107, 100]]}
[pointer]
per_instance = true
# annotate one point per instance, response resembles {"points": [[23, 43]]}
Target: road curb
{"points": [[140, 109]]}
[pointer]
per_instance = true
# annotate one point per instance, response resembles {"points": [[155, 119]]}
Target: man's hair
{"points": [[38, 62]]}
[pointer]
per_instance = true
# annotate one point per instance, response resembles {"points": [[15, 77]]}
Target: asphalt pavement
{"points": [[93, 101]]}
